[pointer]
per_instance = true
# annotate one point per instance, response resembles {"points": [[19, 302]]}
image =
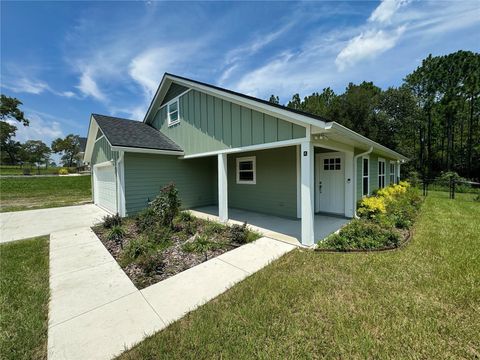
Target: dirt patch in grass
{"points": [[157, 253]]}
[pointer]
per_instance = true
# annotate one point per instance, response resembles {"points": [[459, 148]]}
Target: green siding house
{"points": [[231, 150]]}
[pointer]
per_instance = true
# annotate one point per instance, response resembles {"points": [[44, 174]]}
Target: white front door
{"points": [[330, 183]]}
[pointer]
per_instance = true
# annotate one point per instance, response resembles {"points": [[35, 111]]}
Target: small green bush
{"points": [[146, 219], [116, 233], [137, 247], [238, 234], [151, 264], [201, 245], [167, 204], [63, 171], [361, 234], [112, 220], [213, 227], [160, 235], [185, 216]]}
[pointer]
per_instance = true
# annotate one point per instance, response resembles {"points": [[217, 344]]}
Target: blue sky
{"points": [[65, 60]]}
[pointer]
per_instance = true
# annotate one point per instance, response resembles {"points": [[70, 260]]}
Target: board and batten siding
{"points": [[146, 174], [275, 191], [102, 151], [208, 123]]}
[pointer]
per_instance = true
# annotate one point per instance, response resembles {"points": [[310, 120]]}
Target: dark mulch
{"points": [[175, 259]]}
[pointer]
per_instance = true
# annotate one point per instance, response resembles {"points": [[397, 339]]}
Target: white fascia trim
{"points": [[146, 151], [100, 138], [354, 135], [298, 119], [176, 98], [105, 163], [273, 145]]}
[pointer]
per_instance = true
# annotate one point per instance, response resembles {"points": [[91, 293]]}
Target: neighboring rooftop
{"points": [[134, 134], [83, 143]]}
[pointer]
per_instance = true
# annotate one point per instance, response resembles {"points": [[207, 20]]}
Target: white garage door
{"points": [[105, 189]]}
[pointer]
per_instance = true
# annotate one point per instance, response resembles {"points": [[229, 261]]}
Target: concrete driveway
{"points": [[26, 224]]}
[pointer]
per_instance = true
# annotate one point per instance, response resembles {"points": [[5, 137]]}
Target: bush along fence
{"points": [[384, 221], [448, 181]]}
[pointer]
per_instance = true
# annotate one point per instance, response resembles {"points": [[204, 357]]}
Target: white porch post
{"points": [[349, 184], [222, 188], [398, 172], [307, 191]]}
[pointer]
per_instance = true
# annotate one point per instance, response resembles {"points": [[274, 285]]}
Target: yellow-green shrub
{"points": [[63, 171], [371, 206]]}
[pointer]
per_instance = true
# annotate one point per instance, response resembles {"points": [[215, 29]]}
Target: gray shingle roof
{"points": [[131, 133]]}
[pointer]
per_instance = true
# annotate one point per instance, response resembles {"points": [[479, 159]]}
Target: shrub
{"points": [[371, 206], [213, 227], [112, 220], [238, 233], [167, 204], [63, 171], [201, 245], [185, 216], [151, 263], [116, 233], [160, 235], [137, 247], [146, 219], [362, 235]]}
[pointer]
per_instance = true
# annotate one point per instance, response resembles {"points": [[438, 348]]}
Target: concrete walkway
{"points": [[26, 224], [96, 311]]}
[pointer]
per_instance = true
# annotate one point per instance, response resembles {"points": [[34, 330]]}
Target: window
{"points": [[365, 182], [392, 173], [172, 110], [332, 164], [246, 170], [381, 173]]}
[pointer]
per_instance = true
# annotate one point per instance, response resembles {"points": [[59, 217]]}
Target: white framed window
{"points": [[246, 170], [365, 176], [173, 112], [392, 172], [381, 173]]}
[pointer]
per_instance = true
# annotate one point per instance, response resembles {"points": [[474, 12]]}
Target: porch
{"points": [[277, 227]]}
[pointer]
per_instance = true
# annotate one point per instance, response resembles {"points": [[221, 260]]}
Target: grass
{"points": [[24, 293], [421, 301], [19, 170], [43, 192]]}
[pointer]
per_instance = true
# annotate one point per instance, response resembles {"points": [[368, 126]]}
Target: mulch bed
{"points": [[175, 259]]}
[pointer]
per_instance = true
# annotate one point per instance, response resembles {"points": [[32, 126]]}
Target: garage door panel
{"points": [[105, 187]]}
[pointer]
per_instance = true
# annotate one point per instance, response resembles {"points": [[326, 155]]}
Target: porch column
{"points": [[398, 172], [307, 191], [222, 188]]}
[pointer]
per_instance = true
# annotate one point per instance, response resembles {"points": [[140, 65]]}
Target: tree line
{"points": [[32, 152], [432, 117]]}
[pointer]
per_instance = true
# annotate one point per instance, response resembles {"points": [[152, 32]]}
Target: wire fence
{"points": [[451, 186]]}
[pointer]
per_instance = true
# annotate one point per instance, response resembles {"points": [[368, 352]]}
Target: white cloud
{"points": [[387, 8], [24, 85], [38, 129], [367, 45], [89, 87]]}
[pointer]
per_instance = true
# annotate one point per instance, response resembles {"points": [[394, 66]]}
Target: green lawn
{"points": [[24, 294], [27, 193], [18, 170], [418, 302]]}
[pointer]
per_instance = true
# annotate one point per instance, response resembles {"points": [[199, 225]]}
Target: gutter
{"points": [[355, 158]]}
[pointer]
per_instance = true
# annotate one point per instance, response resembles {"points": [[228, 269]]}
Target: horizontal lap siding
{"points": [[208, 123], [146, 174], [275, 191]]}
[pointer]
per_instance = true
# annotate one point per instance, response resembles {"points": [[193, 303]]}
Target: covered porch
{"points": [[277, 227]]}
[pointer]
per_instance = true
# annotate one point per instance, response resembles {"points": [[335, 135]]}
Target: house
{"points": [[232, 150]]}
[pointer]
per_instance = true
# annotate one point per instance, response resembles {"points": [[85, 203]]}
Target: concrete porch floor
{"points": [[277, 227]]}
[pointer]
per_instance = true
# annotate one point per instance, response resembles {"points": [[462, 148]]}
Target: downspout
{"points": [[355, 158]]}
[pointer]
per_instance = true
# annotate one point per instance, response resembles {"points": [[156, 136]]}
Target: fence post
{"points": [[453, 188]]}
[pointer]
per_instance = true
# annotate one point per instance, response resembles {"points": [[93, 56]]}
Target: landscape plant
{"points": [[167, 204]]}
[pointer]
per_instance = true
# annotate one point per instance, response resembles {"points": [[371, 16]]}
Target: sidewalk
{"points": [[95, 310]]}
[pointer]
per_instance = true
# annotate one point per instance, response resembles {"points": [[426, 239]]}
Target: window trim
{"points": [[392, 174], [381, 160], [169, 121], [366, 176], [253, 159]]}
